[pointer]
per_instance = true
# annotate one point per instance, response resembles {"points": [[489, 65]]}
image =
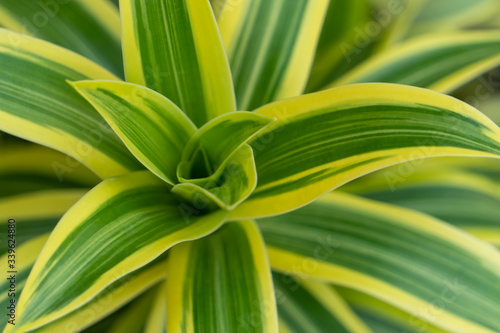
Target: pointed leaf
{"points": [[174, 47], [227, 267], [154, 129], [37, 104], [326, 139], [270, 45], [233, 182], [438, 62], [118, 227], [213, 143]]}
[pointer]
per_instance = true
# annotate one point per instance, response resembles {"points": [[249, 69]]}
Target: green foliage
{"points": [[185, 152]]}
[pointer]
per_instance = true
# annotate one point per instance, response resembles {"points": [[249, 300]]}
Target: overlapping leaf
{"points": [[343, 43], [20, 270], [110, 299], [174, 47], [90, 28], [421, 265], [153, 128], [270, 45], [326, 139], [309, 306], [453, 14], [119, 226], [36, 213], [382, 317], [471, 202], [227, 267], [37, 104], [28, 168], [212, 144], [217, 165], [232, 183], [132, 318], [439, 62]]}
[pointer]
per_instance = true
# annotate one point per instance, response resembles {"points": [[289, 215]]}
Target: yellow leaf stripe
{"points": [[90, 28], [52, 169], [196, 298], [153, 128], [271, 46], [446, 15], [439, 62], [25, 256], [36, 213], [110, 299], [309, 306], [38, 105], [174, 48], [157, 321], [466, 200], [119, 226], [416, 263], [380, 315], [323, 140]]}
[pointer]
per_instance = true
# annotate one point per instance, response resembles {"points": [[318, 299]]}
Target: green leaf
{"points": [[399, 174], [118, 227], [35, 213], [212, 144], [37, 104], [343, 43], [154, 129], [382, 317], [438, 62], [326, 139], [25, 256], [90, 28], [442, 15], [307, 306], [111, 299], [489, 106], [229, 267], [419, 264], [401, 17], [105, 324], [156, 320], [270, 46], [232, 183], [174, 47], [133, 319], [466, 200], [485, 167], [130, 319], [217, 166], [28, 168]]}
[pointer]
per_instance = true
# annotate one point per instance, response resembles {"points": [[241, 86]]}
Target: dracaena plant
{"points": [[213, 164]]}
